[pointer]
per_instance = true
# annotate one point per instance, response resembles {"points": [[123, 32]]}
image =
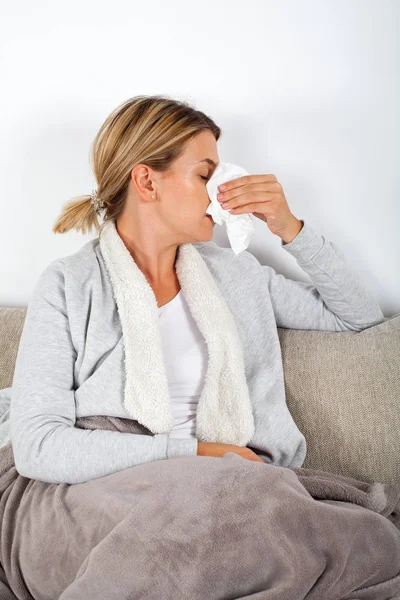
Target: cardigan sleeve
{"points": [[46, 444], [336, 300]]}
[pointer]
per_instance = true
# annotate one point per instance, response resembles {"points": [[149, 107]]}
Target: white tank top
{"points": [[186, 359]]}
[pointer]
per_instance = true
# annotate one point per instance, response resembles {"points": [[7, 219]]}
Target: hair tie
{"points": [[96, 202]]}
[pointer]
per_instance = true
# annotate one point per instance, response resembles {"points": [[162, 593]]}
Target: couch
{"points": [[342, 389]]}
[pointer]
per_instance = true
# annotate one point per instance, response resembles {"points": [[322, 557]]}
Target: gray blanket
{"points": [[198, 528]]}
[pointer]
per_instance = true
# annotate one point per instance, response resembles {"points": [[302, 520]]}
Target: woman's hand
{"points": [[217, 449], [263, 196]]}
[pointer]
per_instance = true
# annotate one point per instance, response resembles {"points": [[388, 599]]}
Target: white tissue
{"points": [[239, 227]]}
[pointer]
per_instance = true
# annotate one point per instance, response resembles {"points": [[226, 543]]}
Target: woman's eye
{"points": [[206, 178]]}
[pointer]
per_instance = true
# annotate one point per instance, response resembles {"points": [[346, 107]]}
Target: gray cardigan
{"points": [[90, 345]]}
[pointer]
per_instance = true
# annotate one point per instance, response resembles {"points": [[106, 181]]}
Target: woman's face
{"points": [[177, 214], [183, 194]]}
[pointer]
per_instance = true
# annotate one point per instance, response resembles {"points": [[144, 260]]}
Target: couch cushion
{"points": [[343, 391], [11, 324]]}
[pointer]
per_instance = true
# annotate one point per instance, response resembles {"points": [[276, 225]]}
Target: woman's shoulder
{"points": [[76, 265], [225, 256]]}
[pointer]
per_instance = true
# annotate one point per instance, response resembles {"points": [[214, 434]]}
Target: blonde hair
{"points": [[144, 129]]}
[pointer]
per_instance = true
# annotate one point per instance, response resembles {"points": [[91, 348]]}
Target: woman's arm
{"points": [[46, 444], [336, 300]]}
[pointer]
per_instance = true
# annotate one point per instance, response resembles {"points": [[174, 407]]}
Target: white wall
{"points": [[307, 90]]}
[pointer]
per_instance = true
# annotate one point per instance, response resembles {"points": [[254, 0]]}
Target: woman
{"points": [[155, 325], [154, 322]]}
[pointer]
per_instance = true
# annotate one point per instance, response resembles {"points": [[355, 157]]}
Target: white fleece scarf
{"points": [[224, 412]]}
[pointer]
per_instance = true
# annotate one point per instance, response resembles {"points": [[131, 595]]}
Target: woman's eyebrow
{"points": [[209, 161]]}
